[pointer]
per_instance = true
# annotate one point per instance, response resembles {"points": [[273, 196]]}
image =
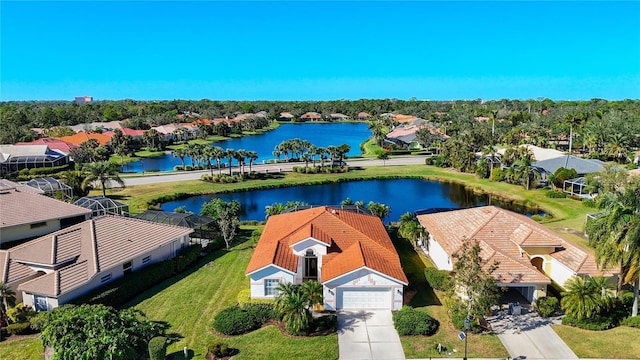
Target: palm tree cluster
{"points": [[294, 303], [302, 150], [203, 153], [410, 228], [586, 297]]}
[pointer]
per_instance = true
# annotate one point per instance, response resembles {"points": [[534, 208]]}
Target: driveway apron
{"points": [[368, 335], [529, 336]]}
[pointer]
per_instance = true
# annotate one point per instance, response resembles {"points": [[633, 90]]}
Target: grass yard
{"points": [[617, 343], [190, 303], [478, 346], [23, 349]]}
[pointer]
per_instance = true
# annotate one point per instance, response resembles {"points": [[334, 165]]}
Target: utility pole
{"points": [[466, 329]]}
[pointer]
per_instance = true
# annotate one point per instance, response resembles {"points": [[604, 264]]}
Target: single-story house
{"points": [[85, 136], [310, 116], [349, 253], [363, 116], [56, 268], [582, 166], [530, 256], [25, 214], [285, 116], [339, 116], [17, 157], [53, 144]]}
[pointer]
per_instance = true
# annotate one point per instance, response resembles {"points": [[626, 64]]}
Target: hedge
{"points": [[262, 313], [157, 348], [235, 321], [23, 328], [436, 278], [118, 292], [555, 194], [409, 321], [632, 321], [597, 323]]}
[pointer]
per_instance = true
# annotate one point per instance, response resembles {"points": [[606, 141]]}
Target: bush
{"points": [[235, 321], [436, 278], [632, 321], [157, 348], [497, 175], [262, 313], [218, 350], [22, 328], [555, 194], [326, 323], [546, 306], [409, 321], [458, 315], [597, 322], [590, 203]]}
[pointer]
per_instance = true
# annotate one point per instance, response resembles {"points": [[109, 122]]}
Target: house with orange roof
{"points": [[84, 136], [53, 144], [310, 116], [136, 134], [363, 116], [349, 253], [530, 256], [54, 269]]}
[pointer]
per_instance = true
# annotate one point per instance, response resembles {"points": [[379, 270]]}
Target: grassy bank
{"points": [[617, 343]]}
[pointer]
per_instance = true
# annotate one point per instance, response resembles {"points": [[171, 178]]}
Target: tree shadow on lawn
{"points": [[240, 244]]}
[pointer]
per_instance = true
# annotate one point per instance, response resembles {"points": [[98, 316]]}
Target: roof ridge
{"points": [[54, 248], [94, 245], [359, 231], [5, 272], [484, 223], [297, 228]]}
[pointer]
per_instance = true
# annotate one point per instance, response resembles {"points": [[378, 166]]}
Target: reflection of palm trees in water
{"points": [[458, 195]]}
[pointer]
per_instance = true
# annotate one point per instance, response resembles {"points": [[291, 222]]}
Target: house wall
{"points": [[24, 231], [543, 250], [271, 272], [438, 255], [300, 249], [559, 272], [362, 278], [164, 252]]}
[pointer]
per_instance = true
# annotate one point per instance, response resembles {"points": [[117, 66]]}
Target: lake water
{"points": [[321, 135], [402, 195]]}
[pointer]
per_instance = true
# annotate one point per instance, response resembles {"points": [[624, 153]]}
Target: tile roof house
{"points": [[136, 134], [529, 254], [350, 253], [582, 166], [25, 214], [83, 136], [56, 268], [363, 116], [339, 116], [53, 144], [310, 116], [285, 116]]}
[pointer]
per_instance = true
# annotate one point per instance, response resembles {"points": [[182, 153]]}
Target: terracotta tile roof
{"points": [[55, 144], [363, 115], [91, 246], [506, 233], [355, 240], [24, 207], [310, 115], [83, 136], [126, 131]]}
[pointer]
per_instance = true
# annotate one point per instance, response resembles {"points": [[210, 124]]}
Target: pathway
{"points": [[368, 335]]}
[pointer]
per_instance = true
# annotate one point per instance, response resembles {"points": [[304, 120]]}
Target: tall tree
{"points": [[253, 156], [230, 154], [180, 153], [586, 297], [473, 283], [104, 172]]}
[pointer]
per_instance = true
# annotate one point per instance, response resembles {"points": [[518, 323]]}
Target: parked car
{"points": [[339, 163]]}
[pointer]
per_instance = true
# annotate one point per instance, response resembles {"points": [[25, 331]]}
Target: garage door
{"points": [[364, 298]]}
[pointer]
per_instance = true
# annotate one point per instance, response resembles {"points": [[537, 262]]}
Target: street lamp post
{"points": [[466, 329]]}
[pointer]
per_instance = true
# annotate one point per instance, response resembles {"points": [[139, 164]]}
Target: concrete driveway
{"points": [[367, 335], [529, 336]]}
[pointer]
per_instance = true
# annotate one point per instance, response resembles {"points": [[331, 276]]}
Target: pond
{"points": [[402, 195], [321, 135]]}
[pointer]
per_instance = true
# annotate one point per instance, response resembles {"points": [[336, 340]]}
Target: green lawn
{"points": [[617, 343], [483, 346], [23, 349], [190, 303]]}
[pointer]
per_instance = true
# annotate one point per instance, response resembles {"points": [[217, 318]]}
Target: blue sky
{"points": [[304, 50]]}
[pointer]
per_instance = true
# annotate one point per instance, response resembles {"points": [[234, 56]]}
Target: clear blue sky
{"points": [[302, 50]]}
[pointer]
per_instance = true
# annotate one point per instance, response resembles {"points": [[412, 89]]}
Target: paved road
{"points": [[528, 336], [195, 175], [368, 335]]}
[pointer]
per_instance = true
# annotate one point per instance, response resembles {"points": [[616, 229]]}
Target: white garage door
{"points": [[364, 298]]}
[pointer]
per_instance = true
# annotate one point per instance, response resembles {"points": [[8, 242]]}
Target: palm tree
{"points": [[586, 297], [312, 290], [292, 303], [491, 151], [615, 234], [180, 153], [321, 152], [218, 154], [208, 154], [230, 154], [240, 156], [574, 119], [104, 172], [253, 156], [8, 298]]}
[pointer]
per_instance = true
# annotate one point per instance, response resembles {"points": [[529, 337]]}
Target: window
{"points": [[40, 303], [126, 267], [146, 259], [310, 266], [105, 278], [38, 225], [270, 287]]}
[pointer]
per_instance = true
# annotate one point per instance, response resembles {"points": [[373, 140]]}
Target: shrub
{"points": [[546, 306], [157, 348], [234, 321], [497, 175], [632, 321], [22, 328], [436, 278], [590, 203], [218, 350], [597, 322], [409, 321], [555, 194], [458, 315], [262, 313], [326, 323]]}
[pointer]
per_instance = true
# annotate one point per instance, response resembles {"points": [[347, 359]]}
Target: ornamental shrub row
{"points": [[236, 320], [597, 323], [409, 321], [22, 328]]}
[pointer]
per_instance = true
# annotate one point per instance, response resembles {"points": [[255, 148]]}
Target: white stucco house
{"points": [[56, 268], [530, 256], [349, 253], [26, 213]]}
